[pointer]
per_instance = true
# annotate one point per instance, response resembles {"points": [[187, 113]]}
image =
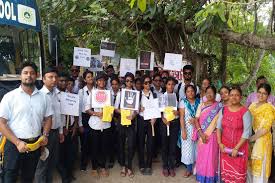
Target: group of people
{"points": [[212, 133]]}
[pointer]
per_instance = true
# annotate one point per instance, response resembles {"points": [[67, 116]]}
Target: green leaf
{"points": [[229, 23], [142, 5], [132, 3], [73, 8]]}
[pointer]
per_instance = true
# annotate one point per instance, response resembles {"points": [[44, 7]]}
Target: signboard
{"points": [[20, 14], [129, 99], [69, 104], [101, 98], [127, 65], [96, 63], [146, 60], [82, 57], [151, 109], [172, 62], [107, 48]]}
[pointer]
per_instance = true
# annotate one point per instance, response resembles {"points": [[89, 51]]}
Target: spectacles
{"points": [[129, 81], [187, 73], [264, 94], [157, 80], [147, 82]]}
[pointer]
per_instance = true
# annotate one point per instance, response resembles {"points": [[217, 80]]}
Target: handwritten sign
{"points": [[152, 109], [82, 57], [69, 104], [107, 49], [129, 99], [172, 62], [101, 98], [127, 65], [146, 60]]}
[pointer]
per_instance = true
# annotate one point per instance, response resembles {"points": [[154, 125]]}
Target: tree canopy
{"points": [[228, 40]]}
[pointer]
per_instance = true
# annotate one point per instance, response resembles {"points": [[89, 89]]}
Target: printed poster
{"points": [[107, 49], [172, 62], [101, 98], [129, 99], [146, 60]]}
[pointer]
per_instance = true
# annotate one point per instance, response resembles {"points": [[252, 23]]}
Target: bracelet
{"points": [[235, 149], [199, 129], [45, 134]]}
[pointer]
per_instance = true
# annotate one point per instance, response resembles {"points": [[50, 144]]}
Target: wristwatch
{"points": [[45, 134]]}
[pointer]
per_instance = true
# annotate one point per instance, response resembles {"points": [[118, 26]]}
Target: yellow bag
{"points": [[107, 113], [34, 146], [124, 114], [169, 113]]}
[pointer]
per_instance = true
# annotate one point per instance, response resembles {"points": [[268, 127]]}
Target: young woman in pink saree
{"points": [[207, 148]]}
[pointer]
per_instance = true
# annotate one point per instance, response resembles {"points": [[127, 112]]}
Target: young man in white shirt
{"points": [[22, 112], [44, 172]]}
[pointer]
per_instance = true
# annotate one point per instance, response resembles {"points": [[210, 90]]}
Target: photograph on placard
{"points": [[163, 102], [107, 48], [82, 57], [130, 99], [127, 65], [172, 62], [96, 63], [101, 98], [69, 104], [146, 60], [172, 100]]}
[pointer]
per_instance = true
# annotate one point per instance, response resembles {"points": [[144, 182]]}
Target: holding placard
{"points": [[127, 65], [82, 57], [129, 99], [146, 60], [151, 109], [173, 62], [107, 49], [69, 104], [101, 98]]}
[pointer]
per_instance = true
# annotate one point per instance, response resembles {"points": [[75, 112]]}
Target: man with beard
{"points": [[22, 113]]}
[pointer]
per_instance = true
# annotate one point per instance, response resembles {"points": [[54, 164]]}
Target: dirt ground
{"points": [[114, 176]]}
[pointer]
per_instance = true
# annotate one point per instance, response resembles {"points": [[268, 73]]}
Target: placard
{"points": [[127, 65], [173, 62], [151, 109], [82, 57], [107, 49], [129, 99], [146, 60], [167, 99], [101, 98], [69, 104], [96, 63]]}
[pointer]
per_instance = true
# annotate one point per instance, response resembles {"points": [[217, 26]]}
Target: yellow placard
{"points": [[107, 113], [124, 114], [2, 144], [169, 113]]}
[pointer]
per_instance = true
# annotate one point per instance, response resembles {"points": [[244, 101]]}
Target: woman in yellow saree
{"points": [[263, 116]]}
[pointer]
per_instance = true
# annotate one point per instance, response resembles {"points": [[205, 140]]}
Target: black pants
{"points": [[145, 132], [100, 140], [126, 132], [169, 144], [85, 141], [157, 143], [68, 153], [113, 153], [14, 162]]}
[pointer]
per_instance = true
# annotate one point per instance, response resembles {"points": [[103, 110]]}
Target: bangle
{"points": [[199, 129]]}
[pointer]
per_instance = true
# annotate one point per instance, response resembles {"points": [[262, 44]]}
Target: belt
{"points": [[54, 130], [30, 140]]}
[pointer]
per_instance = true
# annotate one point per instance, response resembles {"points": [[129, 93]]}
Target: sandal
{"points": [[130, 173], [94, 173], [187, 174], [104, 172], [123, 172]]}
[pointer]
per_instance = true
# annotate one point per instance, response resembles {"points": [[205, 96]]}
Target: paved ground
{"points": [[114, 177]]}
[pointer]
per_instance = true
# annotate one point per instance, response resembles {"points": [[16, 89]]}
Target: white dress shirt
{"points": [[95, 122], [58, 121], [83, 95], [76, 86], [25, 113]]}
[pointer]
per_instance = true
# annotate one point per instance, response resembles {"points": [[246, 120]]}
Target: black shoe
{"points": [[142, 171], [148, 171]]}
